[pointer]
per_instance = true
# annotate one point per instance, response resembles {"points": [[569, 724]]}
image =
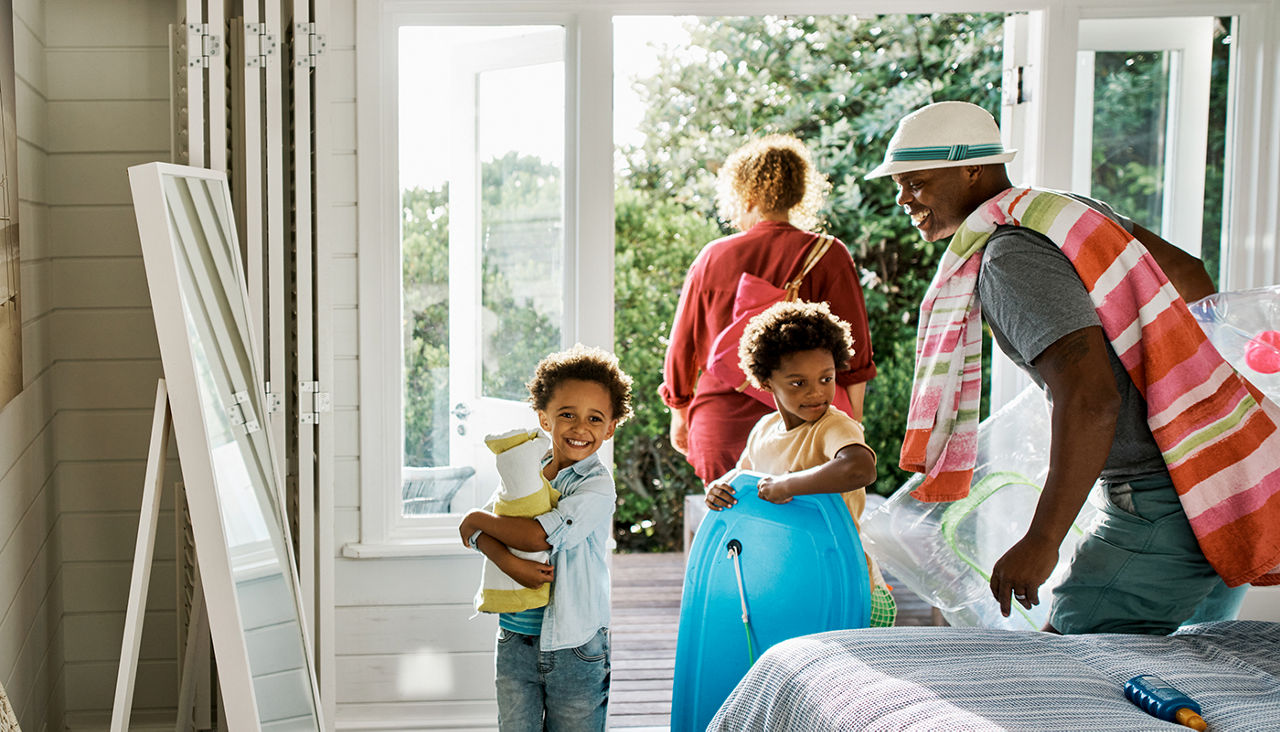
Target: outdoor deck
{"points": [[646, 614]]}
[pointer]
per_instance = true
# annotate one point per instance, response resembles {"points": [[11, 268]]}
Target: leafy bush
{"points": [[656, 241]]}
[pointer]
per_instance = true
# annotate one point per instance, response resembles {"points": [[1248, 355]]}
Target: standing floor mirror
{"points": [[265, 667]]}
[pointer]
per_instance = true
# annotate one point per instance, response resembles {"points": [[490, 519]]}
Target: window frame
{"points": [[1036, 128]]}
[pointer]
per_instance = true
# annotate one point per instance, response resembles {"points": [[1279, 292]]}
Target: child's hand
{"points": [[774, 490], [467, 528], [720, 496], [529, 573]]}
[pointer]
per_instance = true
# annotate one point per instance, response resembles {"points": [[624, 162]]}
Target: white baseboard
{"points": [[481, 716], [143, 721]]}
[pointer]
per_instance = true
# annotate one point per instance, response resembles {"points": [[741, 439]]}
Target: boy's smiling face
{"points": [[579, 418], [803, 386]]}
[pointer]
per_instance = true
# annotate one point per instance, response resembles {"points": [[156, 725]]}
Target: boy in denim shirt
{"points": [[553, 661]]}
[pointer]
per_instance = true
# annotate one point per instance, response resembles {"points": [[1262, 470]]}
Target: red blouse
{"points": [[773, 251]]}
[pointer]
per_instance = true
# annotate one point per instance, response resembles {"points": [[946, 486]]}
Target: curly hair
{"points": [[790, 327], [775, 173], [582, 363]]}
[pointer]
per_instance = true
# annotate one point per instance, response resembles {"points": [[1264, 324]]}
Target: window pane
{"points": [[520, 138], [1129, 149], [481, 154]]}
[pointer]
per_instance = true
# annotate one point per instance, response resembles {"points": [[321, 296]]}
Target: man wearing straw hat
{"points": [[1066, 285]]}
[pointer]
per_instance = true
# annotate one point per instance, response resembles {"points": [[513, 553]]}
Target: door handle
{"points": [[461, 411]]}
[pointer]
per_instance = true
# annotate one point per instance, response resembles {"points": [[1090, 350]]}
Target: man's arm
{"points": [[1185, 272], [1086, 403], [853, 467], [525, 534]]}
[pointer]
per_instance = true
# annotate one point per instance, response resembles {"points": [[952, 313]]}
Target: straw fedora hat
{"points": [[943, 135]]}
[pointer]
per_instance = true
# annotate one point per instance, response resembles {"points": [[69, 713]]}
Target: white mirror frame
{"points": [[195, 444]]}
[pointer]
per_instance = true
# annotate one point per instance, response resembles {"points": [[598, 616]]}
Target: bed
{"points": [[987, 679]]}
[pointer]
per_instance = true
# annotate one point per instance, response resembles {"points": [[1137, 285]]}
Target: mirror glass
{"points": [[210, 287]]}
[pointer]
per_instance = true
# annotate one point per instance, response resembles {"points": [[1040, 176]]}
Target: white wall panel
{"points": [[346, 527], [132, 381], [33, 239], [110, 537], [132, 23], [95, 178], [97, 636], [104, 586], [94, 231], [344, 273], [392, 629], [92, 685], [346, 332], [425, 675], [138, 125], [28, 53], [31, 274], [339, 222], [131, 73], [346, 432], [30, 663], [100, 282], [408, 580], [341, 188], [346, 382], [31, 123], [32, 162], [346, 483], [342, 116], [104, 334]]}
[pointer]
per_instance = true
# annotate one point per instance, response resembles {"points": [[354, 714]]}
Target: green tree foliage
{"points": [[840, 84], [1128, 148], [424, 231], [656, 240]]}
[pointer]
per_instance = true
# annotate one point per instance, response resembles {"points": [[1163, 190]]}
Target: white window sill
{"points": [[420, 548]]}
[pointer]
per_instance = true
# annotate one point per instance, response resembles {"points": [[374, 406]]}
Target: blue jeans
{"points": [[565, 690]]}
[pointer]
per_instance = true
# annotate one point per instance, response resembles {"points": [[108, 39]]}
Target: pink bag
{"points": [[754, 296]]}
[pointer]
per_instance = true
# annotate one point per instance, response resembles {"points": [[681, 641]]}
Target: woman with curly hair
{"points": [[770, 191]]}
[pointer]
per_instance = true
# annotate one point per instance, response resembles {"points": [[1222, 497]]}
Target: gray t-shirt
{"points": [[1031, 297]]}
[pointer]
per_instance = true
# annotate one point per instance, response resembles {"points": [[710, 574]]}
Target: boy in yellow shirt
{"points": [[793, 350]]}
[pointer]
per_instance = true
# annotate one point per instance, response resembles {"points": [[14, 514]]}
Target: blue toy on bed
{"points": [[802, 571]]}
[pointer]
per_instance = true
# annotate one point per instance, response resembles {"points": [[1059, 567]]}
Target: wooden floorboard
{"points": [[646, 617]]}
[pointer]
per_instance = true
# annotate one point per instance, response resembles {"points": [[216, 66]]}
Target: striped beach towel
{"points": [[1218, 433]]}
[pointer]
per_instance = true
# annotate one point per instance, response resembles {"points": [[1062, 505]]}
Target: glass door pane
{"points": [[1142, 121], [482, 136]]}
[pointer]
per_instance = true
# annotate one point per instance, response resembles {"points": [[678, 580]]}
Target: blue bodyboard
{"points": [[803, 572]]}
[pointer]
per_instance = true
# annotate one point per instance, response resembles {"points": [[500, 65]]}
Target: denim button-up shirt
{"points": [[578, 530]]}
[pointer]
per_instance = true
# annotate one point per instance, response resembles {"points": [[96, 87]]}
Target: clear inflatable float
{"points": [[944, 552]]}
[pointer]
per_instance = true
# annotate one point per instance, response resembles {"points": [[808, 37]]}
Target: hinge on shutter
{"points": [[266, 44], [320, 402], [273, 398], [307, 44], [210, 45], [1015, 87], [241, 412]]}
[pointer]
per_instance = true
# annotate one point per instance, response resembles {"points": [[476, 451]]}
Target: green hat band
{"points": [[947, 152]]}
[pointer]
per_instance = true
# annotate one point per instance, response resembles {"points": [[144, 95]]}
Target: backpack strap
{"points": [[816, 251]]}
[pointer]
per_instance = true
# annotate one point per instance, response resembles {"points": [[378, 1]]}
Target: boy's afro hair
{"points": [[790, 327], [582, 363]]}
